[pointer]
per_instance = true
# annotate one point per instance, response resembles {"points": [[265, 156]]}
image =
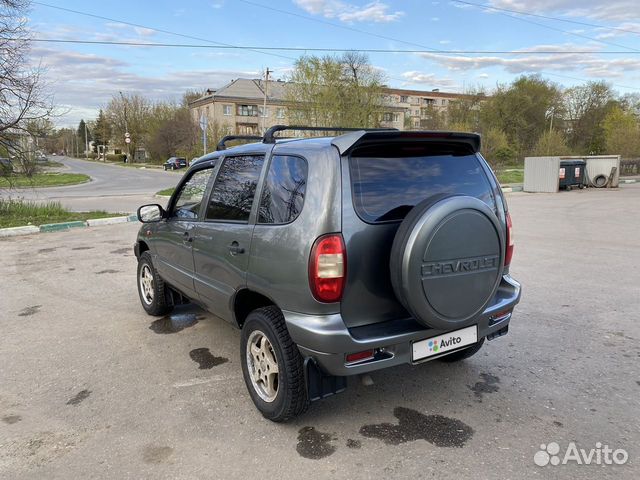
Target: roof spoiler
{"points": [[346, 143], [269, 136]]}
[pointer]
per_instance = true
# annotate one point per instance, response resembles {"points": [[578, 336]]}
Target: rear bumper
{"points": [[327, 339]]}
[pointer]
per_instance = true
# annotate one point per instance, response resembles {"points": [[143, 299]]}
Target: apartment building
{"points": [[239, 107]]}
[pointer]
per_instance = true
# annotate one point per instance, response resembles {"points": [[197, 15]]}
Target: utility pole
{"points": [[127, 138], [264, 105], [86, 141]]}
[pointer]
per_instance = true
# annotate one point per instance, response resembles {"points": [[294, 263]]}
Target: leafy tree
{"points": [[522, 110], [101, 131], [344, 91], [83, 134], [587, 106], [466, 110], [622, 133], [551, 143], [132, 113], [495, 147], [175, 135], [432, 119]]}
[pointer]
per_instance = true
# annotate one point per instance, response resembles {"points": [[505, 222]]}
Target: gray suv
{"points": [[336, 255]]}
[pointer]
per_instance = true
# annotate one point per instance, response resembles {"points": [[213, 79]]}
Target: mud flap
{"points": [[319, 385]]}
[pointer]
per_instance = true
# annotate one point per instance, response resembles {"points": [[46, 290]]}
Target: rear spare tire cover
{"points": [[447, 260]]}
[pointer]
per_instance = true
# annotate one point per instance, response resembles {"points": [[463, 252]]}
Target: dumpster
{"points": [[572, 174]]}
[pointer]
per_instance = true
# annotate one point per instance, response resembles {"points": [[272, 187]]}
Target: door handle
{"points": [[186, 236], [235, 248]]}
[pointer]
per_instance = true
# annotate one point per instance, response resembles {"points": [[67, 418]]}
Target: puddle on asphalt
{"points": [[121, 251], [71, 269], [314, 444], [413, 425], [47, 250], [11, 419], [351, 443], [79, 397], [205, 359], [175, 323], [489, 384], [109, 270], [82, 248], [28, 311], [154, 454]]}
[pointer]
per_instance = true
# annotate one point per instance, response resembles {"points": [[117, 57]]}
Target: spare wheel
{"points": [[447, 260]]}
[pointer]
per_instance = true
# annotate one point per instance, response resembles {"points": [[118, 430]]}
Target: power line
{"points": [[331, 49], [547, 17], [168, 32], [567, 32]]}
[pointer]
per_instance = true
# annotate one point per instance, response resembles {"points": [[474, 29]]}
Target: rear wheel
{"points": [[272, 366], [151, 288], [464, 353]]}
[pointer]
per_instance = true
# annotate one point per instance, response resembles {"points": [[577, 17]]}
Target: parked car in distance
{"points": [[6, 166], [336, 256], [174, 163]]}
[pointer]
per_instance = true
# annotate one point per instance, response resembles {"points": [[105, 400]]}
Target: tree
{"points": [[466, 110], [551, 143], [83, 134], [23, 98], [175, 135], [101, 131], [344, 91], [496, 148], [523, 111], [586, 107], [622, 134], [129, 114], [432, 119]]}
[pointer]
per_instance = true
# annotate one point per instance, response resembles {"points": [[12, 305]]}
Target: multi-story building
{"points": [[239, 107]]}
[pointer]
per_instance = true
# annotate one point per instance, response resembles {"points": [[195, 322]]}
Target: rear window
{"points": [[386, 188]]}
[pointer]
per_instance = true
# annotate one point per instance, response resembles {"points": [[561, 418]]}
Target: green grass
{"points": [[51, 163], [166, 192], [506, 177], [16, 213], [43, 180]]}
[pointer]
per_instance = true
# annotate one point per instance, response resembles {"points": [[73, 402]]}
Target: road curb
{"points": [[107, 221], [15, 231], [60, 227], [57, 227], [630, 180]]}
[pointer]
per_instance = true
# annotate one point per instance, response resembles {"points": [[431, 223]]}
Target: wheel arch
{"points": [[245, 301]]}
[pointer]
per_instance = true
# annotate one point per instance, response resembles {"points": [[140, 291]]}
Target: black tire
{"points": [[462, 354], [291, 397], [158, 304]]}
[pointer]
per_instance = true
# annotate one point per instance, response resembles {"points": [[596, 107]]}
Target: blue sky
{"points": [[84, 77]]}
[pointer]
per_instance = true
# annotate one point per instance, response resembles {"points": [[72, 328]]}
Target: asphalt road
{"points": [[112, 187], [92, 387]]}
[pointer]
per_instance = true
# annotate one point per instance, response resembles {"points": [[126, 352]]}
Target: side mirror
{"points": [[151, 213]]}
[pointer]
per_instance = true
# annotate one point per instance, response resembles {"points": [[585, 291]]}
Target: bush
{"points": [[115, 157]]}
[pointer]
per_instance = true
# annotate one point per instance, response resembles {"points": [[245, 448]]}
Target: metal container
{"points": [[572, 173], [541, 174]]}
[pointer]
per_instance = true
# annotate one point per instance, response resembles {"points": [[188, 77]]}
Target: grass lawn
{"points": [[43, 180], [166, 192], [506, 177], [17, 213]]}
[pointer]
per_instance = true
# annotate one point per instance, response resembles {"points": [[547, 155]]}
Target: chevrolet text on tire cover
{"points": [[336, 256]]}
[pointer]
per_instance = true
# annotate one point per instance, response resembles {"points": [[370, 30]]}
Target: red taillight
{"points": [[509, 253], [328, 268], [360, 356]]}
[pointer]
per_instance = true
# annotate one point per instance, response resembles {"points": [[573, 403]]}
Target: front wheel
{"points": [[272, 366], [151, 288]]}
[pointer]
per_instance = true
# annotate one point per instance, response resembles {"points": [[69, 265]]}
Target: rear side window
{"points": [[284, 190], [386, 188], [234, 189]]}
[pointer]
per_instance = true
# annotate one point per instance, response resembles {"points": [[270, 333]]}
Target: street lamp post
{"points": [[127, 138]]}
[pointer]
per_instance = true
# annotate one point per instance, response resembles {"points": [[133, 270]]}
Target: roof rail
{"points": [[270, 138], [222, 144]]}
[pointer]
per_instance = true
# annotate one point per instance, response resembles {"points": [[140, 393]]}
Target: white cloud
{"points": [[415, 77], [444, 42], [376, 11], [535, 60], [82, 83], [610, 10], [483, 75]]}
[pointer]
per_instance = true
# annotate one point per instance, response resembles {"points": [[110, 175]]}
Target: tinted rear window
{"points": [[385, 189]]}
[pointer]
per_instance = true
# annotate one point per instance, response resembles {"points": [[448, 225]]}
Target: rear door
{"points": [[381, 184], [222, 242], [174, 236]]}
